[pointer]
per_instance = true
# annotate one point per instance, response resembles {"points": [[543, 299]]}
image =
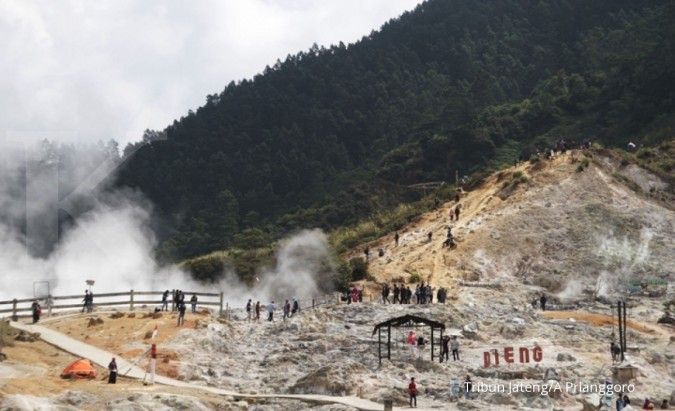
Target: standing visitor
{"points": [[396, 237], [85, 304], [257, 311], [444, 348], [412, 391], [37, 311], [287, 310], [193, 302], [296, 307], [112, 372], [165, 301], [454, 346], [270, 311], [248, 310], [181, 314]]}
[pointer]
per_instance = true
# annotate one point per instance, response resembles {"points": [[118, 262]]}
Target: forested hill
{"points": [[331, 134]]}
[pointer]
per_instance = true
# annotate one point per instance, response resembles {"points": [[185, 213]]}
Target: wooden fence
{"points": [[132, 299]]}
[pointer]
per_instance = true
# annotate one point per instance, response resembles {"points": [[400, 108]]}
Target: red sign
{"points": [[492, 357]]}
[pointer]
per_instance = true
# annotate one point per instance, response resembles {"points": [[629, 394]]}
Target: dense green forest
{"points": [[333, 135]]}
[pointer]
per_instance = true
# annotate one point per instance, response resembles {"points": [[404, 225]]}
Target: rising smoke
{"points": [[111, 241]]}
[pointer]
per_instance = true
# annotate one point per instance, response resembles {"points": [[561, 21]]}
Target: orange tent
{"points": [[79, 369]]}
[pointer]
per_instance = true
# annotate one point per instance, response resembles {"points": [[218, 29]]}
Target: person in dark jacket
{"points": [[445, 349], [37, 311], [296, 307], [181, 314], [112, 369], [257, 310], [165, 301], [542, 302]]}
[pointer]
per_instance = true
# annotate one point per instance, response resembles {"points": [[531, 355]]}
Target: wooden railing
{"points": [[22, 307]]}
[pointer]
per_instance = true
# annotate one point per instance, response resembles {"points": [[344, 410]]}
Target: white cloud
{"points": [[94, 70]]}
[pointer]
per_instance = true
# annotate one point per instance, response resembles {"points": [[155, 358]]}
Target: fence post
{"points": [[14, 316], [227, 310], [221, 304], [131, 301]]}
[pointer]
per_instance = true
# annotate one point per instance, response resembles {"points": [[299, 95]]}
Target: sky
{"points": [[87, 71]]}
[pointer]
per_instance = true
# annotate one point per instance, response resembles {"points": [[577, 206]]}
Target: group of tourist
{"points": [[88, 301], [423, 294], [178, 299], [290, 308], [448, 344]]}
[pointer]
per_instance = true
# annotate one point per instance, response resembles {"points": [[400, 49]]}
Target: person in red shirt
{"points": [[412, 390]]}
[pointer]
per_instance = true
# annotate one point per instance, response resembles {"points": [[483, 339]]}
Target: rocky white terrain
{"points": [[584, 238]]}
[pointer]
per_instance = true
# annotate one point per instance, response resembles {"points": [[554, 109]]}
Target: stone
{"points": [[565, 357], [27, 337]]}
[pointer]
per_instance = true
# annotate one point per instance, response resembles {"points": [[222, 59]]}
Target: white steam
{"points": [[113, 245]]}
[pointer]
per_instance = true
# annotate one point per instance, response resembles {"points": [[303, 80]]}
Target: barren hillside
{"points": [[579, 223]]}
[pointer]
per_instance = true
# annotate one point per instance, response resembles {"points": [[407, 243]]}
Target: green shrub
{"points": [[414, 278], [359, 269]]}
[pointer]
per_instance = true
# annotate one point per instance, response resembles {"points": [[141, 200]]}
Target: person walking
{"points": [[90, 302], [396, 237], [270, 311], [257, 311], [542, 302], [457, 212], [444, 348], [181, 314], [412, 391], [193, 302], [85, 301], [165, 301], [112, 372], [287, 310], [248, 310], [296, 307], [37, 311], [454, 346]]}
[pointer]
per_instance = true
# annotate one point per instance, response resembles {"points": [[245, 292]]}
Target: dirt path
{"points": [[102, 357]]}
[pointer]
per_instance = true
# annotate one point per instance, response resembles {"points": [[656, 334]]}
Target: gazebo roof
{"points": [[408, 320]]}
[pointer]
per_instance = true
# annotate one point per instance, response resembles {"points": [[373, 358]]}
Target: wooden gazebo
{"points": [[407, 321]]}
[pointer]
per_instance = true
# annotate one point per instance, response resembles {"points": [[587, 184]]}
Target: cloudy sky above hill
{"points": [[95, 70]]}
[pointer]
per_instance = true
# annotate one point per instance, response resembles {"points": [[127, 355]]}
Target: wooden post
{"points": [[227, 310], [14, 316], [432, 343], [621, 330], [441, 344], [220, 312], [131, 300], [625, 329], [389, 343], [379, 344]]}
